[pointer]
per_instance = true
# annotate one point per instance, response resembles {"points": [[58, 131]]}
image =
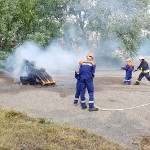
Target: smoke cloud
{"points": [[91, 28], [54, 58], [145, 48]]}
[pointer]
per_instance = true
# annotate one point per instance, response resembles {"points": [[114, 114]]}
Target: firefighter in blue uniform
{"points": [[77, 94], [144, 67], [129, 69], [86, 73]]}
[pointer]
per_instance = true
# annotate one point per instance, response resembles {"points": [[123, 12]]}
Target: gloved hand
{"points": [[135, 70]]}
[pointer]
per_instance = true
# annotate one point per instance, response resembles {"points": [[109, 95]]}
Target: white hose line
{"points": [[62, 69], [96, 69], [121, 109], [105, 109]]}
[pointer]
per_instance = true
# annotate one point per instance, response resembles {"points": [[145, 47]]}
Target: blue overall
{"points": [[86, 72], [77, 94], [129, 69]]}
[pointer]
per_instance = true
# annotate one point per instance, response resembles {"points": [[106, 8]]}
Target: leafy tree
{"points": [[101, 21], [97, 22], [38, 20], [17, 21]]}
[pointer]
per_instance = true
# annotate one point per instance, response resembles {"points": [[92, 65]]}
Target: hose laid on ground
{"points": [[107, 109], [116, 69], [121, 109], [62, 69]]}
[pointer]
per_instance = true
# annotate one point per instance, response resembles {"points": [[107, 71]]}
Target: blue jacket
{"points": [[129, 67], [87, 69]]}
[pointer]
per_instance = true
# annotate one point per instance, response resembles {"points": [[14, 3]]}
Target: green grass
{"points": [[20, 132]]}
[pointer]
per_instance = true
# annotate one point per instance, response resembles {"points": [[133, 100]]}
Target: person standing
{"points": [[77, 94], [129, 69], [144, 67], [86, 73]]}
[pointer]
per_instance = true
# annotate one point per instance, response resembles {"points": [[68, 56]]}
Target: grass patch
{"points": [[20, 132]]}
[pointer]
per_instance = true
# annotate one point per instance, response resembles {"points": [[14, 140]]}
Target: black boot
{"points": [[128, 82], [83, 105], [75, 102], [93, 109], [137, 83]]}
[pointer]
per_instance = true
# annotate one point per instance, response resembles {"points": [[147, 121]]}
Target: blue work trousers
{"points": [[128, 75], [142, 75], [77, 89], [87, 83]]}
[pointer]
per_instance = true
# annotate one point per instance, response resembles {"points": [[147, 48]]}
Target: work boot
{"points": [[128, 83], [136, 83], [124, 82], [83, 105], [93, 109], [75, 102]]}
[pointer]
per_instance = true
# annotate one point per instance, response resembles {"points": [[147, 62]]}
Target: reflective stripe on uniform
{"points": [[145, 71], [127, 80], [82, 101], [76, 99], [91, 102], [89, 64]]}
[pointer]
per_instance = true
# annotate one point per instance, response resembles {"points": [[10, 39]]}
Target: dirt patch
{"points": [[145, 142]]}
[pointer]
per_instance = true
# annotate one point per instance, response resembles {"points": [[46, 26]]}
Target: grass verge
{"points": [[20, 132]]}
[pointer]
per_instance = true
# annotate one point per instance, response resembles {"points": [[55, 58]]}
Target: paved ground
{"points": [[56, 103]]}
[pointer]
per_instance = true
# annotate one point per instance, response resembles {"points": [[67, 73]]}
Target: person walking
{"points": [[144, 67], [86, 73]]}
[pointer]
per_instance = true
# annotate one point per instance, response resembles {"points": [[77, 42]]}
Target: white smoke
{"points": [[54, 58], [83, 36], [145, 48]]}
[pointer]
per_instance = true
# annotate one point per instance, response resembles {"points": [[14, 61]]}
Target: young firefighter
{"points": [[76, 99], [145, 70], [86, 72], [129, 69]]}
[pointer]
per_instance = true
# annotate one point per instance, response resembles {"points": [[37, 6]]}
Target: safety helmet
{"points": [[129, 60], [90, 55], [141, 57]]}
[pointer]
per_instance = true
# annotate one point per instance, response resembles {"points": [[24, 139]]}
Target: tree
{"points": [[101, 21], [38, 20]]}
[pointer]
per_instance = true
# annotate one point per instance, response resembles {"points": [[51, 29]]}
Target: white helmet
{"points": [[141, 57]]}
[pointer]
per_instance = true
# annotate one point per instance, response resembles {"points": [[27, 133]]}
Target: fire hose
{"points": [[116, 69], [121, 109], [111, 109], [62, 69]]}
